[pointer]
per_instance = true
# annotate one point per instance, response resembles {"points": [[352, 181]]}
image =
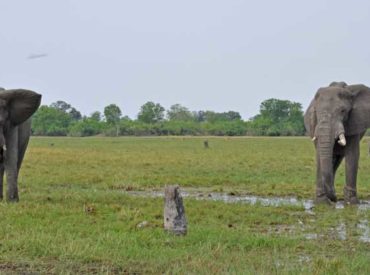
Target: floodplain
{"points": [[94, 205]]}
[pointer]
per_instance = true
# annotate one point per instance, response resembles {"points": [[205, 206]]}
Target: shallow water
{"points": [[265, 201], [364, 226], [339, 232]]}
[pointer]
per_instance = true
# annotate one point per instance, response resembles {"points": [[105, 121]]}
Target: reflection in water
{"points": [[265, 201], [364, 226], [341, 231]]}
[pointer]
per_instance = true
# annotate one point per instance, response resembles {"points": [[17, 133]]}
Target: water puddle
{"points": [[364, 227], [308, 205], [311, 236], [339, 232]]}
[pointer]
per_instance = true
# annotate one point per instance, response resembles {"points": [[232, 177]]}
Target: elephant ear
{"points": [[21, 104], [310, 120], [359, 117]]}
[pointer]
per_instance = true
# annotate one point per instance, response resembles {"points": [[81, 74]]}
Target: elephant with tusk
{"points": [[16, 108], [336, 120]]}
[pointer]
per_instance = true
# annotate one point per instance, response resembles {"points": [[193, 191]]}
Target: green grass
{"points": [[51, 231], [262, 166]]}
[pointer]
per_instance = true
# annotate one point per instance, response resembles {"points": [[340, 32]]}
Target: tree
{"points": [[199, 116], [96, 116], [61, 105], [151, 113], [66, 108], [232, 115], [112, 115], [51, 121], [55, 120], [75, 115], [212, 117], [85, 127], [279, 117], [178, 112], [275, 109]]}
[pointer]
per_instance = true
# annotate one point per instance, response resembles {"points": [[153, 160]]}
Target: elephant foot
{"points": [[352, 201], [11, 200], [12, 197], [324, 200], [350, 196], [324, 196], [332, 197], [329, 192]]}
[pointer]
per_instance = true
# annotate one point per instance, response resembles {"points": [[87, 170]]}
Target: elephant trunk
{"points": [[325, 146]]}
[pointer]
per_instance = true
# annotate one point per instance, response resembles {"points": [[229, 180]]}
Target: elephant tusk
{"points": [[314, 138], [342, 140], [4, 147]]}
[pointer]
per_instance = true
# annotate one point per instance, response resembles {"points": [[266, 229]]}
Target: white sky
{"points": [[218, 55]]}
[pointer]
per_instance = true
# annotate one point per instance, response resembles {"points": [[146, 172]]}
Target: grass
{"points": [[262, 166], [75, 217]]}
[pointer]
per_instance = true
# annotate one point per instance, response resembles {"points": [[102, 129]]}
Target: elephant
{"points": [[336, 120], [16, 109]]}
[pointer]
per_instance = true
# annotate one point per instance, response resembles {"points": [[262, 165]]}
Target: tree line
{"points": [[276, 118]]}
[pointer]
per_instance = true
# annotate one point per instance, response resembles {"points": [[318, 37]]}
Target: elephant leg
{"points": [[1, 181], [24, 132], [352, 157], [326, 193], [337, 160], [10, 163], [21, 151]]}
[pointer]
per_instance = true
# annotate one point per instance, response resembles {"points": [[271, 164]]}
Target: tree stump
{"points": [[174, 211]]}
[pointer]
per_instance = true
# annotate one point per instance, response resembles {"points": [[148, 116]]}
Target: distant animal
{"points": [[206, 145], [89, 209], [336, 120], [16, 108]]}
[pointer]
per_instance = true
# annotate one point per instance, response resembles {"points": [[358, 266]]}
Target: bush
{"points": [[86, 127]]}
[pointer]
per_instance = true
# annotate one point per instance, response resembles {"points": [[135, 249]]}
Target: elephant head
{"points": [[16, 106], [336, 112]]}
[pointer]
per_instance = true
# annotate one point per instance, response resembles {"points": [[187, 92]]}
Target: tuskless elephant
{"points": [[16, 108], [336, 120]]}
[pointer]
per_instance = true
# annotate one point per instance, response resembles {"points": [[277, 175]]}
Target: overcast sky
{"points": [[218, 55]]}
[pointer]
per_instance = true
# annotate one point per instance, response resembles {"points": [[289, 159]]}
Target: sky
{"points": [[218, 55]]}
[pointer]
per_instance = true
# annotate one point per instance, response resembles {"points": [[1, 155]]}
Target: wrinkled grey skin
{"points": [[16, 108], [336, 110]]}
